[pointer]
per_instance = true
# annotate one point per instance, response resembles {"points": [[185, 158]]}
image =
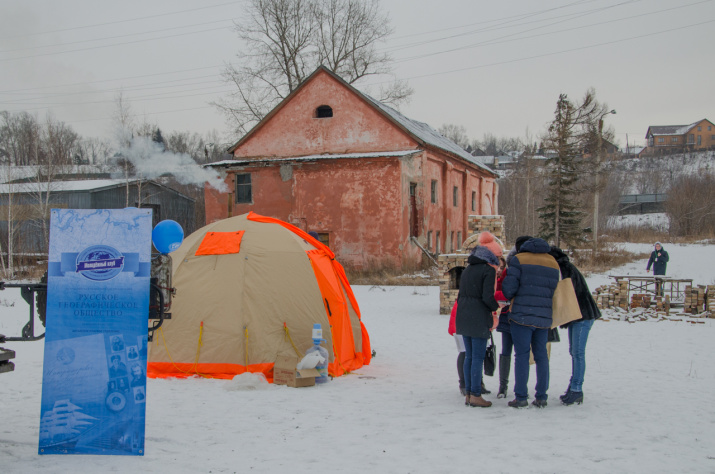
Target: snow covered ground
{"points": [[648, 403]]}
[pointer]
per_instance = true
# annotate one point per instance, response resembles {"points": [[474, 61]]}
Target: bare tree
{"points": [[286, 40], [456, 133], [58, 143], [691, 205]]}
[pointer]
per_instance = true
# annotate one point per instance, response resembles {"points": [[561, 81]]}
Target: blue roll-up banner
{"points": [[94, 377]]}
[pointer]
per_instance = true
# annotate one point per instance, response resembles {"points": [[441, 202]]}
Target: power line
{"points": [[114, 37], [113, 80], [162, 15], [508, 24], [499, 63], [115, 44], [504, 40]]}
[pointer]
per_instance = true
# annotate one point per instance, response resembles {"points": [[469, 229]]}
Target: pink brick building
{"points": [[375, 185]]}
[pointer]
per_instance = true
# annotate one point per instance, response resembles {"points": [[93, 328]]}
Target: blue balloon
{"points": [[167, 236]]}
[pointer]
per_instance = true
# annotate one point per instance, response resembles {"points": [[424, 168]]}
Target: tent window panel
{"points": [[220, 243]]}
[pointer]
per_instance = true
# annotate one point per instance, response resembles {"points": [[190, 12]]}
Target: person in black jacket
{"points": [[475, 304], [578, 329]]}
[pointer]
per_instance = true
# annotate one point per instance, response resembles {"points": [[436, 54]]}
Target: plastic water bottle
{"points": [[322, 367]]}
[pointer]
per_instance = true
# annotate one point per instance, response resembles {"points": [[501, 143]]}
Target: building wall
{"points": [[358, 203], [354, 127], [706, 133]]}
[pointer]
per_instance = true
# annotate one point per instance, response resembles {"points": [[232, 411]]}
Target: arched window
{"points": [[324, 111]]}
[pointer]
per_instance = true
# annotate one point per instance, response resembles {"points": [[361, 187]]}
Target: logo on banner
{"points": [[100, 262]]}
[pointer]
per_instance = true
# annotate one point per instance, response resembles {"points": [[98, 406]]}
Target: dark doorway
{"points": [[414, 228]]}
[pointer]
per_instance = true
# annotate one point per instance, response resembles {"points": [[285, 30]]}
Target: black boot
{"points": [[566, 394], [504, 368], [484, 389], [516, 403], [572, 397], [460, 371]]}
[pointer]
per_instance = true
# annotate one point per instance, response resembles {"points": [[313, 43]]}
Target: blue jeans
{"points": [[528, 338], [506, 344], [475, 349], [578, 336]]}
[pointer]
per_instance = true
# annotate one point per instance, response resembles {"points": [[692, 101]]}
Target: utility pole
{"points": [[596, 194]]}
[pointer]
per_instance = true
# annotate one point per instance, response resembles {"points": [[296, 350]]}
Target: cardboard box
{"points": [[285, 373]]}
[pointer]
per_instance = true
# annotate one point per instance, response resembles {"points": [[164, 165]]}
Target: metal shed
{"points": [[22, 201]]}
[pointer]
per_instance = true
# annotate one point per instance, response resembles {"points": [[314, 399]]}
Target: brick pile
{"points": [[640, 300], [694, 299], [710, 300], [612, 296]]}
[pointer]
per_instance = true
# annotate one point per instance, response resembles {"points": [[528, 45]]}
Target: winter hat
{"points": [[520, 241], [658, 243], [487, 239], [314, 234]]}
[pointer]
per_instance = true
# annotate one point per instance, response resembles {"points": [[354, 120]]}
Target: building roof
{"points": [[426, 133], [419, 130], [87, 185], [325, 156], [656, 130]]}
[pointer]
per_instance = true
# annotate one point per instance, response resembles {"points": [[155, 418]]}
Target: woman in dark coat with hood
{"points": [[578, 329], [475, 304]]}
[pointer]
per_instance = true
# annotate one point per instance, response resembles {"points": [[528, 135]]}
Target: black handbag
{"points": [[553, 335], [490, 359]]}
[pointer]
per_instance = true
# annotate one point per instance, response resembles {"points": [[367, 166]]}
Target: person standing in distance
{"points": [[658, 260]]}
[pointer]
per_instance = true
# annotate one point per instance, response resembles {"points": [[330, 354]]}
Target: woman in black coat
{"points": [[578, 329], [475, 304]]}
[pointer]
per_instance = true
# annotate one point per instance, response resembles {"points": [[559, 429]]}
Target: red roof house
{"points": [[376, 186]]}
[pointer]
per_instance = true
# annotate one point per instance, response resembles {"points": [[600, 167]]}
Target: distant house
{"points": [[696, 136], [23, 199], [376, 186]]}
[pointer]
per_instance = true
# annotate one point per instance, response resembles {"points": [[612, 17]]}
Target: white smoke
{"points": [[151, 160]]}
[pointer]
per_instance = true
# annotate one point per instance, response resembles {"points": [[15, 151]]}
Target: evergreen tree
{"points": [[156, 137], [561, 217]]}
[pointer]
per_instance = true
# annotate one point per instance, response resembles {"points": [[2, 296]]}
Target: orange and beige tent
{"points": [[249, 289]]}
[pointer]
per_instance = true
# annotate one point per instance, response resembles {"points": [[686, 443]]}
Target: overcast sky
{"points": [[493, 67]]}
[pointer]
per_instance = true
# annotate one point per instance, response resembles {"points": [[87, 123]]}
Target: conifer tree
{"points": [[561, 215]]}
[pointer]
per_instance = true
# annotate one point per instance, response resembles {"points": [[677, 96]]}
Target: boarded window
{"points": [[220, 243], [244, 193]]}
